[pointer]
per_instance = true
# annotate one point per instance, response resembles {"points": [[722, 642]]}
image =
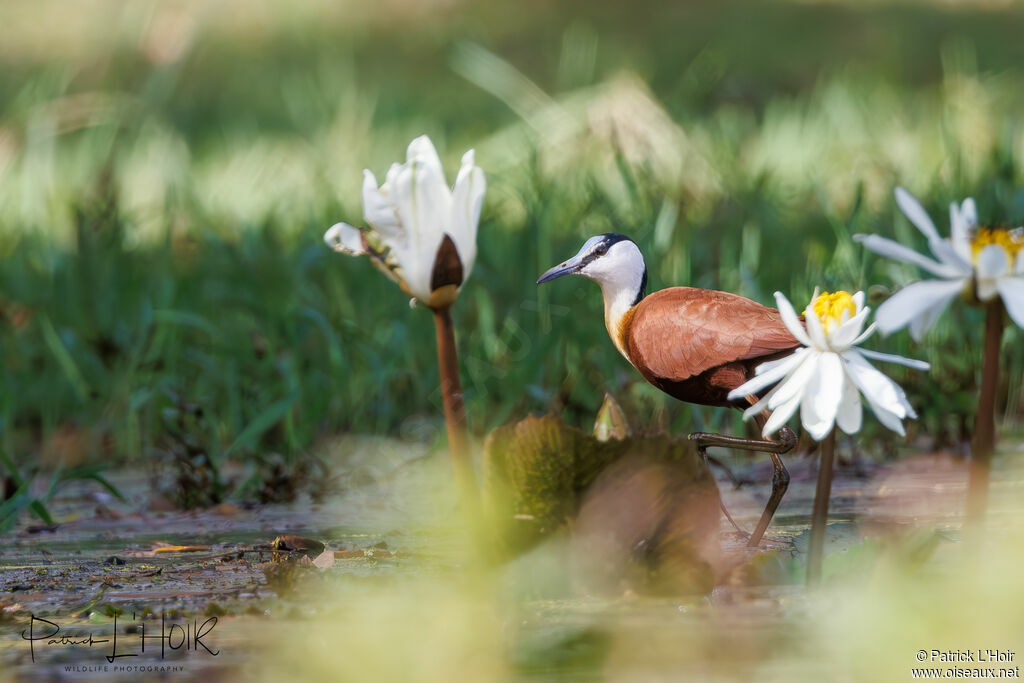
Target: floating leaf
{"points": [[290, 543], [167, 548]]}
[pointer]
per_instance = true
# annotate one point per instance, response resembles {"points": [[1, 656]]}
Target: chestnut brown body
{"points": [[697, 345]]}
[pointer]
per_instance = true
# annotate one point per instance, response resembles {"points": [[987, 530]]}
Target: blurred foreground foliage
{"points": [[646, 503], [163, 193]]}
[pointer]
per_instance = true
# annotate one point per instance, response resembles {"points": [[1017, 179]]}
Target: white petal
{"points": [[380, 211], [851, 412], [993, 263], [889, 419], [894, 250], [858, 300], [344, 238], [1019, 268], [822, 395], [421, 150], [791, 320], [876, 387], [814, 329], [948, 255], [908, 410], [424, 209], [796, 383], [885, 397], [1011, 289], [799, 357], [914, 300], [849, 331], [920, 325], [865, 335], [898, 360], [942, 249], [760, 406], [913, 210], [765, 379], [467, 199], [962, 220], [969, 212], [770, 364], [780, 416]]}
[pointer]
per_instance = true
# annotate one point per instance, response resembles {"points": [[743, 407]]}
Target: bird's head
{"points": [[612, 260]]}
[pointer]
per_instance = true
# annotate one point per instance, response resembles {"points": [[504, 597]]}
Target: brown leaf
{"points": [[299, 544]]}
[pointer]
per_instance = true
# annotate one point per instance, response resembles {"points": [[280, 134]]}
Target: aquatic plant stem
{"points": [[455, 412], [819, 517], [985, 422]]}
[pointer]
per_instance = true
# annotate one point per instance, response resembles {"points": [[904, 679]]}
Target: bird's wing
{"points": [[680, 332]]}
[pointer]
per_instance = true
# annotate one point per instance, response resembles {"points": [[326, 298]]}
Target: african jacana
{"points": [[696, 345]]}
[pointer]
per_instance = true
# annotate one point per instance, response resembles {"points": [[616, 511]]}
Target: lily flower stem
{"points": [[985, 422], [819, 517], [455, 413]]}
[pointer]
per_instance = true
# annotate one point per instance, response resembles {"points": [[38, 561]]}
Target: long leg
{"points": [[780, 482], [780, 476]]}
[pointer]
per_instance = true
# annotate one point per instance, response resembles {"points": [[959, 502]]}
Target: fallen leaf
{"points": [[298, 543], [168, 548]]}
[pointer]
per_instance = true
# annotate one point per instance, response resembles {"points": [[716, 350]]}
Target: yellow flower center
{"points": [[830, 308], [1010, 240]]}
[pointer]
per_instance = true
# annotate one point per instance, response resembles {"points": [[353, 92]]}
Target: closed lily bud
{"points": [[422, 234]]}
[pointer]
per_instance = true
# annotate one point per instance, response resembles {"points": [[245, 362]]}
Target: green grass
{"points": [[161, 221]]}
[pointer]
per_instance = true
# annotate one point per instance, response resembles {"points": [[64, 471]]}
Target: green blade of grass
{"points": [[261, 423], [64, 359]]}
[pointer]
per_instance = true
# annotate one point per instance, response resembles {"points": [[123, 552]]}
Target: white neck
{"points": [[621, 274]]}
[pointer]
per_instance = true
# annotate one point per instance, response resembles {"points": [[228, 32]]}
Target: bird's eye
{"points": [[601, 250]]}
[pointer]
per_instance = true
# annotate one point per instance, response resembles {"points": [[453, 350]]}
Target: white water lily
{"points": [[826, 378], [990, 260], [422, 234]]}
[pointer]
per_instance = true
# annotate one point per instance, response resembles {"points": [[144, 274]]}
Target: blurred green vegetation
{"points": [[167, 171]]}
